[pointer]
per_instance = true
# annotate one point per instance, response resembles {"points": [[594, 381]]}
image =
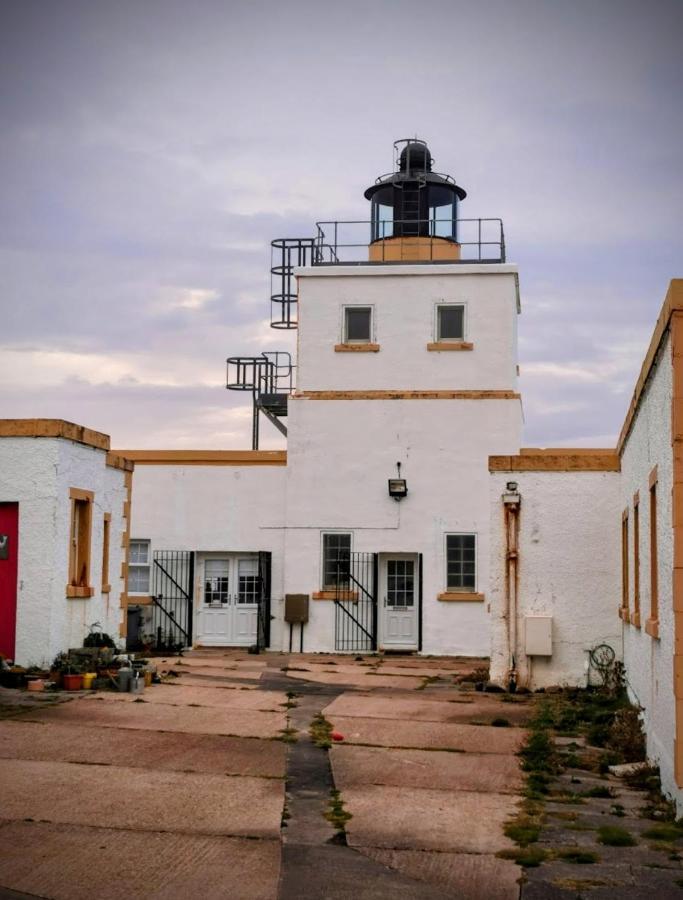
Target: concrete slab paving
{"points": [[77, 863], [359, 679], [211, 671], [417, 708], [433, 769], [206, 753], [428, 735], [215, 681], [467, 876], [417, 819], [184, 695], [162, 717], [119, 797]]}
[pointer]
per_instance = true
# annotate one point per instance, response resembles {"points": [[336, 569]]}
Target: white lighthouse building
{"points": [[405, 382], [404, 515]]}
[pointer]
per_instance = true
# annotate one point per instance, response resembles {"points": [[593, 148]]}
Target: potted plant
{"points": [[72, 678], [57, 667]]}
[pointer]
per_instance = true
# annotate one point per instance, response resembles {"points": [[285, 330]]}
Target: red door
{"points": [[9, 546]]}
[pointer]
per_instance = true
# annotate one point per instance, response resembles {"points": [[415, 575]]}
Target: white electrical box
{"points": [[538, 637]]}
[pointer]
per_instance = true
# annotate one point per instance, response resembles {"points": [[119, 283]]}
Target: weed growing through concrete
{"points": [[669, 831], [321, 732], [500, 723], [527, 857], [288, 735], [614, 836], [336, 814]]}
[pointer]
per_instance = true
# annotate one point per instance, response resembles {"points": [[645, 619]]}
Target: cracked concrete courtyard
{"points": [[213, 787]]}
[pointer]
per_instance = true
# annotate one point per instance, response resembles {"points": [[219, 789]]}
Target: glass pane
{"points": [[451, 322], [357, 324], [138, 579], [139, 552], [336, 559], [460, 562], [248, 581], [216, 581]]}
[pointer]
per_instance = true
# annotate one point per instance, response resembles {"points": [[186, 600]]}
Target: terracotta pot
{"points": [[56, 677], [73, 682]]}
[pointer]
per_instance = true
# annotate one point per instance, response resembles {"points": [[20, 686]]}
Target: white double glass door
{"points": [[399, 602], [228, 602]]}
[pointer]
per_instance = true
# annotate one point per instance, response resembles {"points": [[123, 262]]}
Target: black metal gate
{"points": [[263, 617], [355, 602], [172, 581]]}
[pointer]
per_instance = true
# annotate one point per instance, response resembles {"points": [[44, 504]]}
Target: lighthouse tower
{"points": [[405, 383]]}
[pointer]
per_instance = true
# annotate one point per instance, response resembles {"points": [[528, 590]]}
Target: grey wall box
{"points": [[296, 608]]}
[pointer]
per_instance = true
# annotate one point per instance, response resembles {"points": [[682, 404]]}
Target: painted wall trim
{"points": [[54, 428], [673, 302], [356, 348], [405, 395], [115, 461], [205, 457], [559, 460]]}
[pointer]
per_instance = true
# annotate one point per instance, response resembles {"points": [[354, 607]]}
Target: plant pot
{"points": [[56, 677], [73, 682], [88, 680]]}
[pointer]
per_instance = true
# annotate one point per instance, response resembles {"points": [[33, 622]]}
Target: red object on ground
{"points": [[336, 736]]}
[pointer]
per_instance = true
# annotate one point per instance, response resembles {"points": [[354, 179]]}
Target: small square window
{"points": [[357, 324], [450, 322]]}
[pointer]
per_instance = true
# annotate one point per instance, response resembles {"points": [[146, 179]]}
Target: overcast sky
{"points": [[151, 149]]}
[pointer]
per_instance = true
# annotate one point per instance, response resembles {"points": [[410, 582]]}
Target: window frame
{"points": [[138, 566], [461, 588], [442, 304], [323, 535], [80, 544], [106, 543], [625, 586], [652, 625], [344, 323]]}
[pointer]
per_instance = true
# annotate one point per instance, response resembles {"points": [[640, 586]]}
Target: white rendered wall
{"points": [[341, 454], [38, 473], [649, 662], [569, 565], [214, 509], [403, 301]]}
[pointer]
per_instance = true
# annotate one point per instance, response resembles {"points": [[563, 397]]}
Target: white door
{"points": [[245, 612], [399, 602], [228, 604]]}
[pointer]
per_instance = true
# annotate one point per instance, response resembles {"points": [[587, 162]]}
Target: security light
{"points": [[398, 489]]}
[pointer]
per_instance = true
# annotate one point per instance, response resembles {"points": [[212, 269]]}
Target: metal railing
{"points": [[349, 243], [269, 378]]}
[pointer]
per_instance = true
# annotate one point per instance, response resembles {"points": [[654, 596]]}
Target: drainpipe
{"points": [[511, 504]]}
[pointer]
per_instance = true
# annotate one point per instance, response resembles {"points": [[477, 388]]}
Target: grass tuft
{"points": [[614, 836]]}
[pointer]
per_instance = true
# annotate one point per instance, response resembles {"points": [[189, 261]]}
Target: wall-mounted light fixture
{"points": [[398, 489], [511, 497]]}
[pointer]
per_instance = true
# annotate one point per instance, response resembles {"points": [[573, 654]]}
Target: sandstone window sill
{"points": [[461, 597], [78, 593], [440, 346], [356, 348], [334, 595]]}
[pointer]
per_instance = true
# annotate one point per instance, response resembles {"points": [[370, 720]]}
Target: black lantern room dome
{"points": [[414, 201]]}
